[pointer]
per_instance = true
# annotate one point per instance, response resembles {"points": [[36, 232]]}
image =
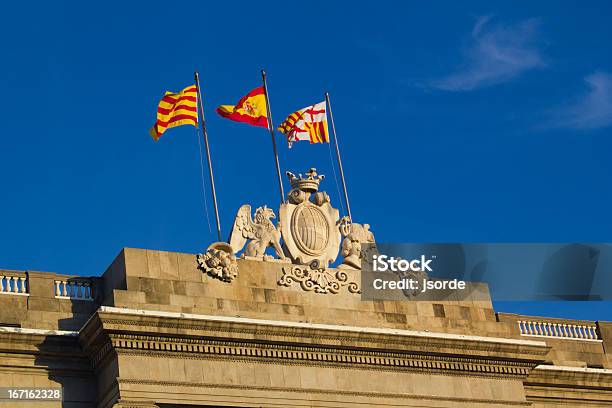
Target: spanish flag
{"points": [[309, 123], [176, 109], [251, 109]]}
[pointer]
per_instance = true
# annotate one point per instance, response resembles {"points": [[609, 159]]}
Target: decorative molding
{"points": [[319, 280], [197, 348]]}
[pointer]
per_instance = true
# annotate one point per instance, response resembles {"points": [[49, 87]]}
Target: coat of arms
{"points": [[308, 222], [308, 235]]}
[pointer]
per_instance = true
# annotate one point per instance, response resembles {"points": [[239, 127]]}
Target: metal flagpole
{"points": [[331, 118], [271, 127], [210, 170]]}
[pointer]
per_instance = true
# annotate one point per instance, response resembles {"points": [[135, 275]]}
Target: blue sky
{"points": [[471, 122]]}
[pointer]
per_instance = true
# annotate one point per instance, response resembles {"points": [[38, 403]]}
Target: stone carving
{"points": [[318, 279], [261, 232], [308, 222], [354, 235], [418, 276], [219, 262]]}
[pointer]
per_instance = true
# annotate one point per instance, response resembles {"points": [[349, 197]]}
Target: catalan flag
{"points": [[251, 109], [176, 109], [309, 123]]}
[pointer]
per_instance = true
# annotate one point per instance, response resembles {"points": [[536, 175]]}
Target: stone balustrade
{"points": [[13, 284], [558, 330], [74, 288]]}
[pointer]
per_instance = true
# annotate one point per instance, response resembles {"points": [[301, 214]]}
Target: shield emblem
{"points": [[310, 231]]}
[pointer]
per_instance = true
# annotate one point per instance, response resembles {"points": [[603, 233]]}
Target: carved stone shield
{"points": [[310, 231]]}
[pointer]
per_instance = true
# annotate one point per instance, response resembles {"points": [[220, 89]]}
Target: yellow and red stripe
{"points": [[251, 109], [176, 109]]}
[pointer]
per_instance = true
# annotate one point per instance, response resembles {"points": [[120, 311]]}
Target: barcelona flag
{"points": [[309, 123]]}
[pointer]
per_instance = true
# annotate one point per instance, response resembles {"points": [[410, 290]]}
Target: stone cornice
{"points": [[63, 344], [585, 377], [238, 328], [175, 335]]}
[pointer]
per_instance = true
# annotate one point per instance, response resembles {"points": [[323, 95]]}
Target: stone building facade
{"points": [[169, 330], [155, 330]]}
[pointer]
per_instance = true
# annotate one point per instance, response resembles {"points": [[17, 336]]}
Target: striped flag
{"points": [[176, 109], [309, 123]]}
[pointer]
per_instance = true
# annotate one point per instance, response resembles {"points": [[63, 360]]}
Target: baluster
{"points": [[23, 285], [530, 327], [79, 288], [564, 330], [87, 289], [584, 332], [64, 288], [1, 284]]}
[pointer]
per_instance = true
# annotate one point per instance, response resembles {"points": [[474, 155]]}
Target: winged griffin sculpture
{"points": [[261, 232]]}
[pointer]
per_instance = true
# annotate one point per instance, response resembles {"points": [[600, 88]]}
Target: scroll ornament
{"points": [[319, 280]]}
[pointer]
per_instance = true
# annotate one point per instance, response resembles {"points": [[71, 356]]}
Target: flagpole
{"points": [[210, 170], [271, 127], [331, 118]]}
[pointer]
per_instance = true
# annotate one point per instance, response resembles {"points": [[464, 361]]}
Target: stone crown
{"points": [[309, 183]]}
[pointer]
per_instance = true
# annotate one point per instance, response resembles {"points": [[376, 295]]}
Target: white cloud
{"points": [[496, 53], [591, 111]]}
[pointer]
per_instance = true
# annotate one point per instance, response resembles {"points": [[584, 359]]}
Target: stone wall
{"points": [[156, 331], [41, 306], [157, 280]]}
